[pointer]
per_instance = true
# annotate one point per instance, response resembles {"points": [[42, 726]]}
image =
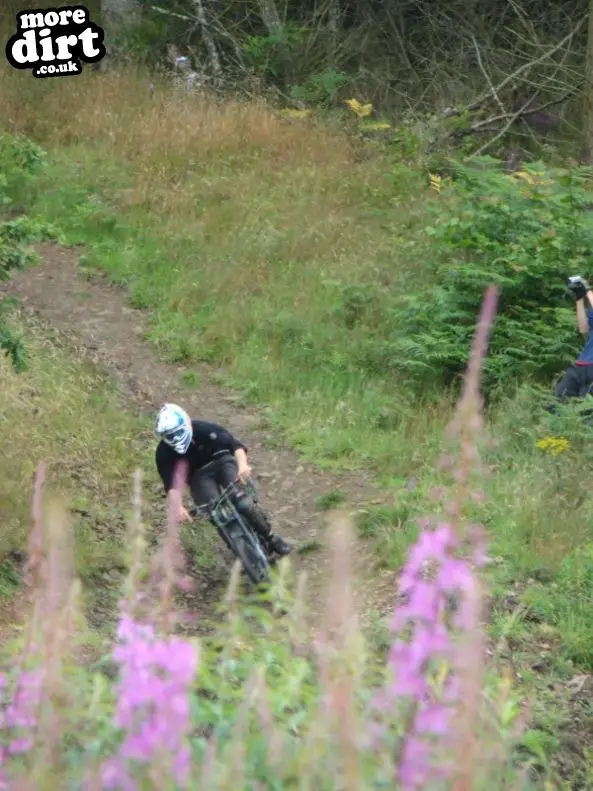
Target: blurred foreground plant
{"points": [[265, 701]]}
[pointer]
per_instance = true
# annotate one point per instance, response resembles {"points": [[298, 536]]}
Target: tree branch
{"points": [[503, 131], [484, 125], [171, 13], [486, 75], [511, 77]]}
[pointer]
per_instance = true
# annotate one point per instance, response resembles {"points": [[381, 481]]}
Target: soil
{"points": [[96, 318]]}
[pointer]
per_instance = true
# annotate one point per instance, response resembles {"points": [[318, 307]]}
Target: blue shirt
{"points": [[586, 357]]}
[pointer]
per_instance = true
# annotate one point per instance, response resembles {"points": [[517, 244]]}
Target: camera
{"points": [[577, 283]]}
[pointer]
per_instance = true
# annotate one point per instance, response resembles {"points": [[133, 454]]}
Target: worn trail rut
{"points": [[97, 319]]}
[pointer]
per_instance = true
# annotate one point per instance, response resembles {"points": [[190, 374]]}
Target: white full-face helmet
{"points": [[174, 427]]}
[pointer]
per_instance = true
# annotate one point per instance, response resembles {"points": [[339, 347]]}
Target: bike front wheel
{"points": [[249, 551]]}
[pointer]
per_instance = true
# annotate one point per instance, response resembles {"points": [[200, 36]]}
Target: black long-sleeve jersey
{"points": [[209, 441]]}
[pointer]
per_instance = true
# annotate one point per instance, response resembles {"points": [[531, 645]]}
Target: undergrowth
{"points": [[524, 231], [261, 701]]}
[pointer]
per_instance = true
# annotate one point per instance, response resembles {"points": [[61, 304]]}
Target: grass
{"points": [[329, 500], [71, 416], [276, 250], [259, 243]]}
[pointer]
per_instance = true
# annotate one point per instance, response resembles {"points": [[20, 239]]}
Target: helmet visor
{"points": [[176, 436]]}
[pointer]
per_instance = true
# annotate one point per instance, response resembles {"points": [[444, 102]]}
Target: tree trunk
{"points": [[209, 42], [117, 16], [334, 18], [275, 27], [588, 95]]}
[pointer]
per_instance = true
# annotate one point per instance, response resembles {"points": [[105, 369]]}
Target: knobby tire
{"points": [[252, 556]]}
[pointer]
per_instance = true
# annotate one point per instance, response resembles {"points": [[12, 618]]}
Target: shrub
{"points": [[526, 232]]}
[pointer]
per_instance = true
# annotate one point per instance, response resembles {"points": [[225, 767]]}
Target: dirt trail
{"points": [[96, 318]]}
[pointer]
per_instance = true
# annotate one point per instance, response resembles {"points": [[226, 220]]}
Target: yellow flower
{"points": [[361, 110], [553, 445]]}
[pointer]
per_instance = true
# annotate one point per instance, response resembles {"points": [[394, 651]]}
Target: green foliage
{"points": [[282, 58], [329, 500], [15, 236], [271, 705], [10, 341], [525, 232], [267, 54], [321, 88], [20, 161], [146, 41]]}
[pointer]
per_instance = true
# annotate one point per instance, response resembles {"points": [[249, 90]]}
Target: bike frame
{"points": [[224, 515]]}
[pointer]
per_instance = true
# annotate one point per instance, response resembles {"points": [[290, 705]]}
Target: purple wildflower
{"points": [[153, 703], [432, 577], [18, 718], [3, 752]]}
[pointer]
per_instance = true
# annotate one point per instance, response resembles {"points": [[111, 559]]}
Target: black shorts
{"points": [[205, 484], [576, 382]]}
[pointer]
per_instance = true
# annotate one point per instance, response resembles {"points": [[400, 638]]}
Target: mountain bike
{"points": [[236, 532]]}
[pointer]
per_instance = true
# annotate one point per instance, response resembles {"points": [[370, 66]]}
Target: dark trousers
{"points": [[205, 486], [576, 382]]}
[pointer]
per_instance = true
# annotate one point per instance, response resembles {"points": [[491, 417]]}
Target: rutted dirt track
{"points": [[97, 320]]}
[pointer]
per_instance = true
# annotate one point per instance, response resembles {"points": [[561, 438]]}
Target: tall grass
{"points": [[260, 704]]}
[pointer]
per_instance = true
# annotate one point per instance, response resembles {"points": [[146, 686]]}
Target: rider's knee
{"points": [[243, 502]]}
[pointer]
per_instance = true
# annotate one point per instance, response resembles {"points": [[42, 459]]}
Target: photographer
{"points": [[578, 379]]}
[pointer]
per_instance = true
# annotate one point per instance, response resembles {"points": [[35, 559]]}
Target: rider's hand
{"points": [[184, 515], [244, 473]]}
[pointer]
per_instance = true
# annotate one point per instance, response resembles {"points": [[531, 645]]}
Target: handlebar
{"points": [[206, 510]]}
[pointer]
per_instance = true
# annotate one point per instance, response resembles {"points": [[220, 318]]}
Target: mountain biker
{"points": [[578, 379], [202, 443]]}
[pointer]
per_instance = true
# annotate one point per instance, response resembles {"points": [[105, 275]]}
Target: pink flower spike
{"points": [[153, 702], [433, 718], [414, 767]]}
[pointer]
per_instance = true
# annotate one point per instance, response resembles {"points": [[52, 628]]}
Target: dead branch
{"points": [[503, 131], [202, 23], [486, 75], [166, 11], [223, 33], [485, 124], [478, 103]]}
